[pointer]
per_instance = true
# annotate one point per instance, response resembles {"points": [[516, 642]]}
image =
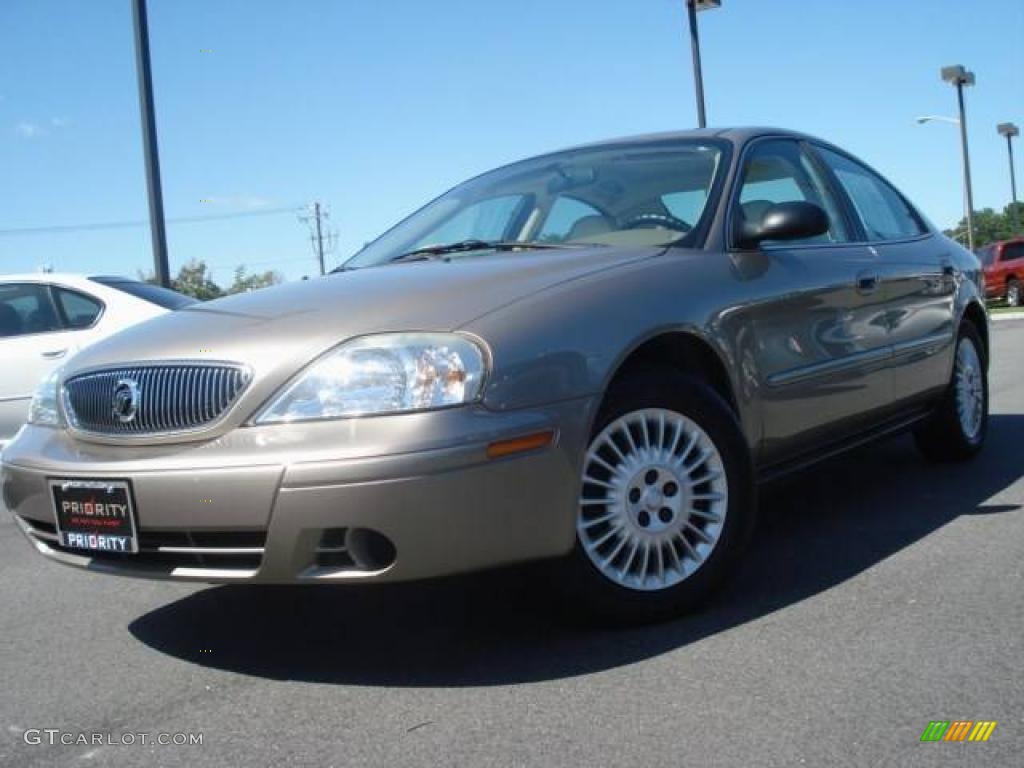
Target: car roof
{"points": [[56, 277], [736, 135]]}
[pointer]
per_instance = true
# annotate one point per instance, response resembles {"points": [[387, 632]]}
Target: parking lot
{"points": [[881, 593]]}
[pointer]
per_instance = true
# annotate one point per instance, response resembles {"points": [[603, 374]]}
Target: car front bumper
{"points": [[388, 498]]}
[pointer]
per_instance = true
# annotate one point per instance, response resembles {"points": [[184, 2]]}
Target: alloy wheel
{"points": [[970, 389], [654, 499]]}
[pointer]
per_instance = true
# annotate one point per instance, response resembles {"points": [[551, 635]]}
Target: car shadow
{"points": [[816, 530]]}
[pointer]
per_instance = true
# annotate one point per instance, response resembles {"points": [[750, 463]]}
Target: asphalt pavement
{"points": [[881, 593]]}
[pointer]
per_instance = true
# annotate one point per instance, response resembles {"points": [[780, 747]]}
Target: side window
{"points": [[1012, 251], [79, 310], [572, 219], [780, 172], [486, 220], [883, 212], [26, 308]]}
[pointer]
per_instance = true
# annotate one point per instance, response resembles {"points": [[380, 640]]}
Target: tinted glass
{"points": [[80, 311], [25, 308], [883, 213], [570, 219], [154, 294], [687, 205], [486, 220], [623, 190], [780, 172], [1012, 251]]}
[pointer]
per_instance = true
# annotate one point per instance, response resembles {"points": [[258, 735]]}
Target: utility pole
{"points": [[319, 239], [323, 241], [158, 231]]}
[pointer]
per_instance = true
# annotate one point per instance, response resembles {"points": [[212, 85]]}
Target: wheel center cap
{"points": [[653, 499]]}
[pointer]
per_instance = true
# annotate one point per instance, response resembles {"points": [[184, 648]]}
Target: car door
{"points": [[33, 341], [1011, 272], [821, 348], [917, 275]]}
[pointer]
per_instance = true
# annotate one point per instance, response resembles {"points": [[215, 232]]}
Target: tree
{"points": [[991, 226], [194, 279], [244, 283]]}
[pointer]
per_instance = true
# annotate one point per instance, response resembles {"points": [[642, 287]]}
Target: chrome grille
{"points": [[165, 398]]}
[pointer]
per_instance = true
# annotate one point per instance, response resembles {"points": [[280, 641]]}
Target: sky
{"points": [[373, 108]]}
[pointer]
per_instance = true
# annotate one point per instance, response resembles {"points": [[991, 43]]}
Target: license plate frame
{"points": [[103, 522]]}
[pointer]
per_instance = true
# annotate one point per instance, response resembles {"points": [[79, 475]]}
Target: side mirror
{"points": [[783, 221]]}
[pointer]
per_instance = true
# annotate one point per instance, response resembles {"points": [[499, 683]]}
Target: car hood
{"points": [[278, 330]]}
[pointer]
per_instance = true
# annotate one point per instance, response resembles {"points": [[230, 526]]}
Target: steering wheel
{"points": [[647, 220]]}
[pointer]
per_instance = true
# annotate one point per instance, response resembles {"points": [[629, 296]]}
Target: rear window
{"points": [[80, 311], [154, 294]]}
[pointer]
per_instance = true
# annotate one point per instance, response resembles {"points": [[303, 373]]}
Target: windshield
{"points": [[987, 255], [625, 195]]}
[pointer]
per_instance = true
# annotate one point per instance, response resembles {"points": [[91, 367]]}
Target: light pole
{"points": [[1009, 130], [952, 121], [692, 7], [958, 76], [158, 232]]}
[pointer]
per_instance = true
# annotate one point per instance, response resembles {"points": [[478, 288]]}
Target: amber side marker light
{"points": [[521, 444]]}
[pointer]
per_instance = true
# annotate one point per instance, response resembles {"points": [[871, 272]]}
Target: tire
{"points": [[1013, 293], [947, 436], [670, 417]]}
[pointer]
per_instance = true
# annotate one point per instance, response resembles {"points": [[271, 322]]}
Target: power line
{"points": [[56, 229]]}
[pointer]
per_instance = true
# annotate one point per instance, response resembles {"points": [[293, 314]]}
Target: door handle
{"points": [[867, 282], [53, 354]]}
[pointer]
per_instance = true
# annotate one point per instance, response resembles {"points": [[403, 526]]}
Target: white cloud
{"points": [[59, 122], [27, 130]]}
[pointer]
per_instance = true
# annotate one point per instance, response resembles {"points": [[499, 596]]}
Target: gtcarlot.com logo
{"points": [[958, 730], [55, 736]]}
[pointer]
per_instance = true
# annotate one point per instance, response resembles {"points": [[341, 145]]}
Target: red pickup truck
{"points": [[1003, 263]]}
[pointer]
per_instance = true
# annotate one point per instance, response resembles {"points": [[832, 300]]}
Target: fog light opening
{"points": [[370, 550]]}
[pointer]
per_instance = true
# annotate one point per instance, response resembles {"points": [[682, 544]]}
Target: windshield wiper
{"points": [[436, 251]]}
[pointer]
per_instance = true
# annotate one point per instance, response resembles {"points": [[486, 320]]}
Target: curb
{"points": [[997, 316]]}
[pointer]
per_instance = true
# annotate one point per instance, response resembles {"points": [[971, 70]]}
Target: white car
{"points": [[46, 318]]}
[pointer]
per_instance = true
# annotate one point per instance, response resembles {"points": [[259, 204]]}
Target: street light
{"points": [[1009, 130], [936, 118], [959, 77], [692, 7], [921, 120]]}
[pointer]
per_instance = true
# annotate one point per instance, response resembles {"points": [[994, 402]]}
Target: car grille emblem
{"points": [[125, 403]]}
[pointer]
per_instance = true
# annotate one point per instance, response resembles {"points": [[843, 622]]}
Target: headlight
{"points": [[388, 373], [43, 410]]}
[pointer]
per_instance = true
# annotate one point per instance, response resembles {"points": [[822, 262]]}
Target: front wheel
{"points": [[666, 500], [956, 430], [1013, 293]]}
